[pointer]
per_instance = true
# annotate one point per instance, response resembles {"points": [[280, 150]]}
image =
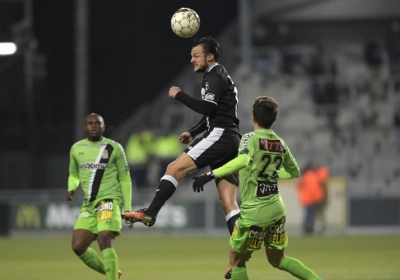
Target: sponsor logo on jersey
{"points": [[277, 232], [104, 210], [92, 165], [272, 145], [266, 188], [256, 237]]}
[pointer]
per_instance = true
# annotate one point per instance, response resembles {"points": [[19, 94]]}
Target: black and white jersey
{"points": [[218, 103], [218, 88]]}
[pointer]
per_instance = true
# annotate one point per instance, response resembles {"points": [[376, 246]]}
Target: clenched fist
{"points": [[173, 91]]}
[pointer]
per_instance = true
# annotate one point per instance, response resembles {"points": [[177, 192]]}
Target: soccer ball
{"points": [[185, 22]]}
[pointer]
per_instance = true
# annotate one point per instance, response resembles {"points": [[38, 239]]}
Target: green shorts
{"points": [[246, 239], [100, 215]]}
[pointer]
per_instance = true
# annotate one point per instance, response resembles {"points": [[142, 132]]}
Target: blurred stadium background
{"points": [[333, 65]]}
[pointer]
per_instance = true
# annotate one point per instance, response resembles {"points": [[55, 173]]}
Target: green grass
{"points": [[174, 257]]}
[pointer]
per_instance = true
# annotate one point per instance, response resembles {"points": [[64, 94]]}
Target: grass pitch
{"points": [[172, 257]]}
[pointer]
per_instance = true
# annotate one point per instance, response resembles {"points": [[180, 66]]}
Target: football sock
{"points": [[111, 263], [231, 219], [165, 190], [239, 273], [297, 269], [92, 260]]}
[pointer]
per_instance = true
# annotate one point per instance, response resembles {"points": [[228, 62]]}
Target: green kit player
{"points": [[263, 158], [99, 165]]}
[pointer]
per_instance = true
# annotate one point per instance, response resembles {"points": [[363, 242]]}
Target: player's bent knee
{"points": [[79, 248], [172, 167], [181, 166], [174, 170]]}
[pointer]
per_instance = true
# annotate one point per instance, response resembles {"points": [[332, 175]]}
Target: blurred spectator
{"points": [[322, 71], [393, 48], [311, 195], [138, 153], [261, 39], [369, 115], [283, 40], [324, 92], [373, 58], [322, 172]]}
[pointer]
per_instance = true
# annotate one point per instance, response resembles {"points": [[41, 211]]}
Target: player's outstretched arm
{"points": [[230, 167], [200, 181]]}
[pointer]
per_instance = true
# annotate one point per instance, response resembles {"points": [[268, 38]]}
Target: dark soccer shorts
{"points": [[214, 149]]}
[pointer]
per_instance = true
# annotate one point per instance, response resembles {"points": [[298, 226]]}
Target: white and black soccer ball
{"points": [[185, 22]]}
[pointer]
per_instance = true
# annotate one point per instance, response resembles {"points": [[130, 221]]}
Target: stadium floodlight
{"points": [[7, 48]]}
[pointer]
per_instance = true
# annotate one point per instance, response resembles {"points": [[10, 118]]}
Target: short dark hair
{"points": [[210, 46], [265, 111]]}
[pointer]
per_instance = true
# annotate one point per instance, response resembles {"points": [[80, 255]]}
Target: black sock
{"points": [[231, 219], [165, 190]]}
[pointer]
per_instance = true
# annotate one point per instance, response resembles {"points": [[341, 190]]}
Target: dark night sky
{"points": [[133, 51]]}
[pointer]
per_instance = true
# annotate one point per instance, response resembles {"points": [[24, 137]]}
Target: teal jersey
{"points": [[101, 169], [263, 158]]}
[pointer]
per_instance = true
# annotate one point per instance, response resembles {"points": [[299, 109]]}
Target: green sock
{"points": [[297, 269], [111, 263], [92, 260], [239, 273]]}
